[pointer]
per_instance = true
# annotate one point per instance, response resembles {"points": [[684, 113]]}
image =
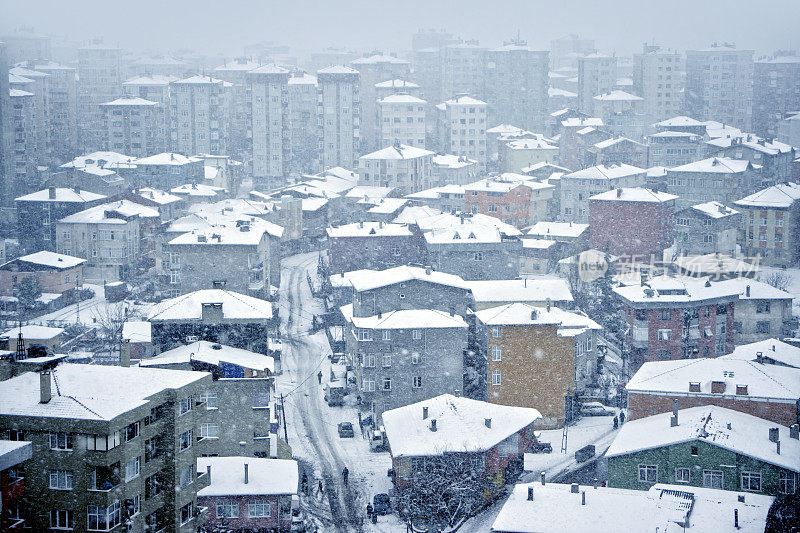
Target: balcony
{"points": [[639, 334]]}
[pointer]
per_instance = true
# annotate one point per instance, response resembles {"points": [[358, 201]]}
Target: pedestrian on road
{"points": [[319, 377], [345, 474], [319, 487], [304, 484], [369, 511]]}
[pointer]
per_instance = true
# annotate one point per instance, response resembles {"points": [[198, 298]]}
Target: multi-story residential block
{"points": [[789, 130], [516, 85], [112, 237], [200, 115], [570, 238], [373, 245], [62, 99], [22, 175], [214, 315], [462, 128], [396, 86], [99, 80], [433, 201], [236, 73], [658, 79], [713, 179], [771, 219], [513, 198], [677, 318], [405, 168], [450, 169], [13, 457], [401, 118], [564, 52], [54, 273], [618, 150], [38, 212], [632, 222], [622, 113], [774, 157], [239, 401], [674, 148], [38, 83], [25, 44], [463, 70], [303, 122], [249, 494], [768, 352], [374, 69], [768, 391], [135, 126], [533, 292], [762, 311], [706, 446], [160, 65], [563, 364], [577, 187], [112, 446], [719, 85], [706, 229], [776, 92], [166, 170], [475, 250], [517, 154], [155, 88], [338, 116], [597, 74], [268, 90]]}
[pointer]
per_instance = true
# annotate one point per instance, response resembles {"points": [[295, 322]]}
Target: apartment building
{"points": [[450, 169], [155, 88], [38, 83], [338, 116], [268, 89], [597, 74], [622, 113], [719, 85], [513, 198], [114, 447], [200, 114], [577, 187], [303, 122], [462, 128], [373, 245], [62, 100], [135, 126], [401, 118], [475, 249], [776, 92], [22, 175], [565, 51], [99, 80], [236, 73], [707, 228], [463, 70], [658, 79], [54, 273], [715, 178], [405, 168], [774, 157], [374, 69], [771, 218], [674, 148]]}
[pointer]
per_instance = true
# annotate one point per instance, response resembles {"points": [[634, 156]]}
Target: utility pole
{"points": [[285, 431]]}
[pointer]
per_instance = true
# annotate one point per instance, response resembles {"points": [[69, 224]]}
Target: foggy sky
{"points": [[209, 26]]}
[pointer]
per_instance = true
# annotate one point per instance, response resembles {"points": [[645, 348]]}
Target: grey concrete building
{"points": [[463, 70], [658, 78], [707, 228], [674, 148], [474, 251], [268, 93], [776, 92], [774, 157], [338, 116], [100, 80], [374, 69], [135, 126], [715, 178], [200, 112], [62, 101], [303, 122], [597, 74]]}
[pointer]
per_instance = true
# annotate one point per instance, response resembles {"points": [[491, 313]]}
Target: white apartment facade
{"points": [[406, 168], [577, 187], [401, 117], [200, 111], [135, 126], [658, 78], [338, 116], [597, 73], [268, 90], [462, 128]]}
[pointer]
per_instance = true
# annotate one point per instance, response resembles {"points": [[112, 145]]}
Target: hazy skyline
{"points": [[224, 28]]}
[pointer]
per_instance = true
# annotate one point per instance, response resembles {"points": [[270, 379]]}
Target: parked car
{"points": [[585, 453], [377, 439], [335, 392], [542, 447], [596, 409], [381, 503], [346, 430]]}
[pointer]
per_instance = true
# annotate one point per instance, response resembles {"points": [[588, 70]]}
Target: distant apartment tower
{"points": [[462, 128], [776, 92], [155, 88], [338, 116], [597, 74], [516, 85], [268, 89], [375, 69], [135, 126], [62, 99], [99, 80], [564, 52], [657, 78], [303, 122], [463, 70], [719, 85], [38, 83], [5, 126], [401, 117], [200, 111], [21, 173], [236, 73]]}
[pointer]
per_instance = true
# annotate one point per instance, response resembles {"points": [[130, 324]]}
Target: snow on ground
{"points": [[794, 283]]}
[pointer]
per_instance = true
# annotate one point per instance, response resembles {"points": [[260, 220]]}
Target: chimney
{"points": [[208, 474], [759, 357], [740, 498], [51, 193], [45, 394], [583, 497], [794, 431], [530, 494], [747, 291], [574, 488], [736, 518], [774, 434], [424, 413], [125, 353], [673, 421], [594, 483], [619, 193], [542, 475], [487, 422], [534, 314], [675, 410], [246, 474], [433, 424]]}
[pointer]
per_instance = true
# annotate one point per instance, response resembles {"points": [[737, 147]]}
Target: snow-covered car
{"points": [[381, 503], [346, 430], [596, 409], [542, 447], [377, 439]]}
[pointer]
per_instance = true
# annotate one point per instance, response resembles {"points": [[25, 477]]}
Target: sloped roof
{"points": [[189, 306]]}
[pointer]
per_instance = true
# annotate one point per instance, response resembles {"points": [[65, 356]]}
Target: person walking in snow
{"points": [[319, 377], [345, 475], [319, 487]]}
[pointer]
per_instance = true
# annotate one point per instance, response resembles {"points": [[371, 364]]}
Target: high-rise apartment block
{"points": [[135, 126], [200, 115], [597, 74], [99, 80], [375, 69], [338, 116], [401, 118], [268, 90], [462, 128], [658, 78], [776, 92]]}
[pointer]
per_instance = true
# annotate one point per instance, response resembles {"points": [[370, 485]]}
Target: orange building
{"points": [[56, 273]]}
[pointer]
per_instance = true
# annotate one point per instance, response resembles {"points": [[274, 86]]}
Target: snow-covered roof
{"points": [[401, 99], [673, 377], [137, 331], [99, 213], [549, 230], [27, 73], [537, 244], [773, 349], [466, 233], [17, 79], [237, 65], [782, 195], [520, 290], [713, 264], [758, 144], [369, 191], [366, 279], [166, 158], [17, 93], [679, 121], [530, 144], [368, 229], [605, 172], [750, 289], [156, 196], [388, 206], [393, 84], [189, 306], [130, 101], [337, 69], [617, 96], [155, 80], [732, 430], [461, 426], [102, 159], [32, 331], [714, 209], [615, 140], [544, 165], [674, 134], [717, 165], [452, 161], [634, 194], [197, 189], [523, 314], [401, 151], [464, 100], [62, 194], [264, 476], [90, 392], [379, 58], [554, 92], [198, 80], [303, 79], [503, 184], [574, 122], [668, 289], [505, 129], [409, 319], [663, 508], [51, 259], [268, 69], [212, 353]]}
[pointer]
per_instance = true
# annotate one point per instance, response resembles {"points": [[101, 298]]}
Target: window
{"points": [[497, 378], [186, 439], [693, 450], [386, 360], [368, 385], [648, 474], [497, 353], [478, 256], [103, 518], [60, 441], [131, 431], [664, 355], [102, 443], [187, 512], [62, 519], [416, 334], [787, 482], [260, 400], [682, 475], [187, 404], [210, 431], [186, 476], [61, 479], [209, 398], [133, 505], [751, 481], [132, 469], [415, 358], [497, 331], [364, 334], [712, 479], [387, 383], [387, 335], [369, 360], [417, 382], [664, 314], [762, 307], [762, 326], [664, 334], [259, 509]]}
